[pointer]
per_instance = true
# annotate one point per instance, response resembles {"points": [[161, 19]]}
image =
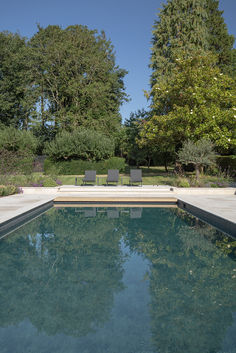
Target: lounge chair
{"points": [[136, 212], [90, 212], [112, 176], [135, 176], [89, 177], [113, 213]]}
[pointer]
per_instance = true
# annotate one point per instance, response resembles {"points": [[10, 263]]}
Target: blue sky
{"points": [[128, 23]]}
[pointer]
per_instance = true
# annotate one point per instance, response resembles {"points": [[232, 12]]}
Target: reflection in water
{"points": [[117, 280]]}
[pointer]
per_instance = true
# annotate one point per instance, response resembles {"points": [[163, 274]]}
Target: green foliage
{"points": [[49, 182], [200, 153], [17, 99], [227, 163], [220, 42], [81, 144], [197, 101], [78, 167], [114, 163], [179, 30], [15, 140], [182, 182], [17, 162], [17, 148], [63, 78], [77, 79], [6, 190], [135, 153], [76, 258], [44, 133], [192, 97], [185, 26]]}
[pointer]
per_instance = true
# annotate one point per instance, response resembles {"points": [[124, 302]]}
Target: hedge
{"points": [[227, 163], [78, 167]]}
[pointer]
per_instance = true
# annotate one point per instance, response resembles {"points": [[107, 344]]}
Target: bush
{"points": [[183, 183], [6, 190], [80, 144], [49, 182], [17, 140], [227, 163], [17, 148], [77, 167], [15, 162], [200, 153]]}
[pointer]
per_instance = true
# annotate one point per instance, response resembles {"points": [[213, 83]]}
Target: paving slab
{"points": [[223, 206], [19, 203], [218, 203]]}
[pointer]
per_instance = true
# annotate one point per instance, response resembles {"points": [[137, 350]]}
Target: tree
{"points": [[77, 79], [17, 103], [200, 153], [180, 29], [199, 101], [220, 42], [186, 314], [136, 153]]}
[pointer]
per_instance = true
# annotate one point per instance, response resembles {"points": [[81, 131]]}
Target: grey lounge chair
{"points": [[112, 176], [90, 212], [113, 213], [89, 177], [136, 212], [135, 176]]}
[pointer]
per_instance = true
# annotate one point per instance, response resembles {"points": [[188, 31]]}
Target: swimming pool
{"points": [[117, 280]]}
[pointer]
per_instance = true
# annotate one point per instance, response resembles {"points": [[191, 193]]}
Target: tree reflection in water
{"points": [[63, 271], [192, 282]]}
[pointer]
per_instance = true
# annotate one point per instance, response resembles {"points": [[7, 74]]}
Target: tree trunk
{"points": [[166, 166], [42, 108], [197, 171]]}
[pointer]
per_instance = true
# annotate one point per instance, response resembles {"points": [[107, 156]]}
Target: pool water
{"points": [[117, 280]]}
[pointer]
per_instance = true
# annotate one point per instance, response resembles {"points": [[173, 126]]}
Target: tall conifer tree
{"points": [[180, 30], [220, 42]]}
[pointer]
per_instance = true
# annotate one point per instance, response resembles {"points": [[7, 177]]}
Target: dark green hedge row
{"points": [[227, 163], [77, 167]]}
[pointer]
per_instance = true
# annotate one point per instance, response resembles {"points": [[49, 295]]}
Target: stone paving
{"points": [[219, 202]]}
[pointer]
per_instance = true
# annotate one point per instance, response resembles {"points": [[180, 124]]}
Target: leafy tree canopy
{"points": [[60, 77], [197, 101], [76, 77]]}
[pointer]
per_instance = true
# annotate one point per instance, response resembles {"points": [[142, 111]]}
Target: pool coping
{"points": [[176, 196]]}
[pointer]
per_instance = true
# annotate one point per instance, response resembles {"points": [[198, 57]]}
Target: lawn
{"points": [[158, 176], [151, 176]]}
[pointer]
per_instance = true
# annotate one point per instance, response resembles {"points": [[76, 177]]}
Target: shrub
{"points": [[17, 148], [183, 183], [77, 167], [227, 163], [114, 163], [200, 154], [15, 162], [17, 140], [6, 190], [80, 144], [49, 182]]}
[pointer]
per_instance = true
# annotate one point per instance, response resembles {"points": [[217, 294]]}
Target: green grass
{"points": [[158, 176], [151, 176]]}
